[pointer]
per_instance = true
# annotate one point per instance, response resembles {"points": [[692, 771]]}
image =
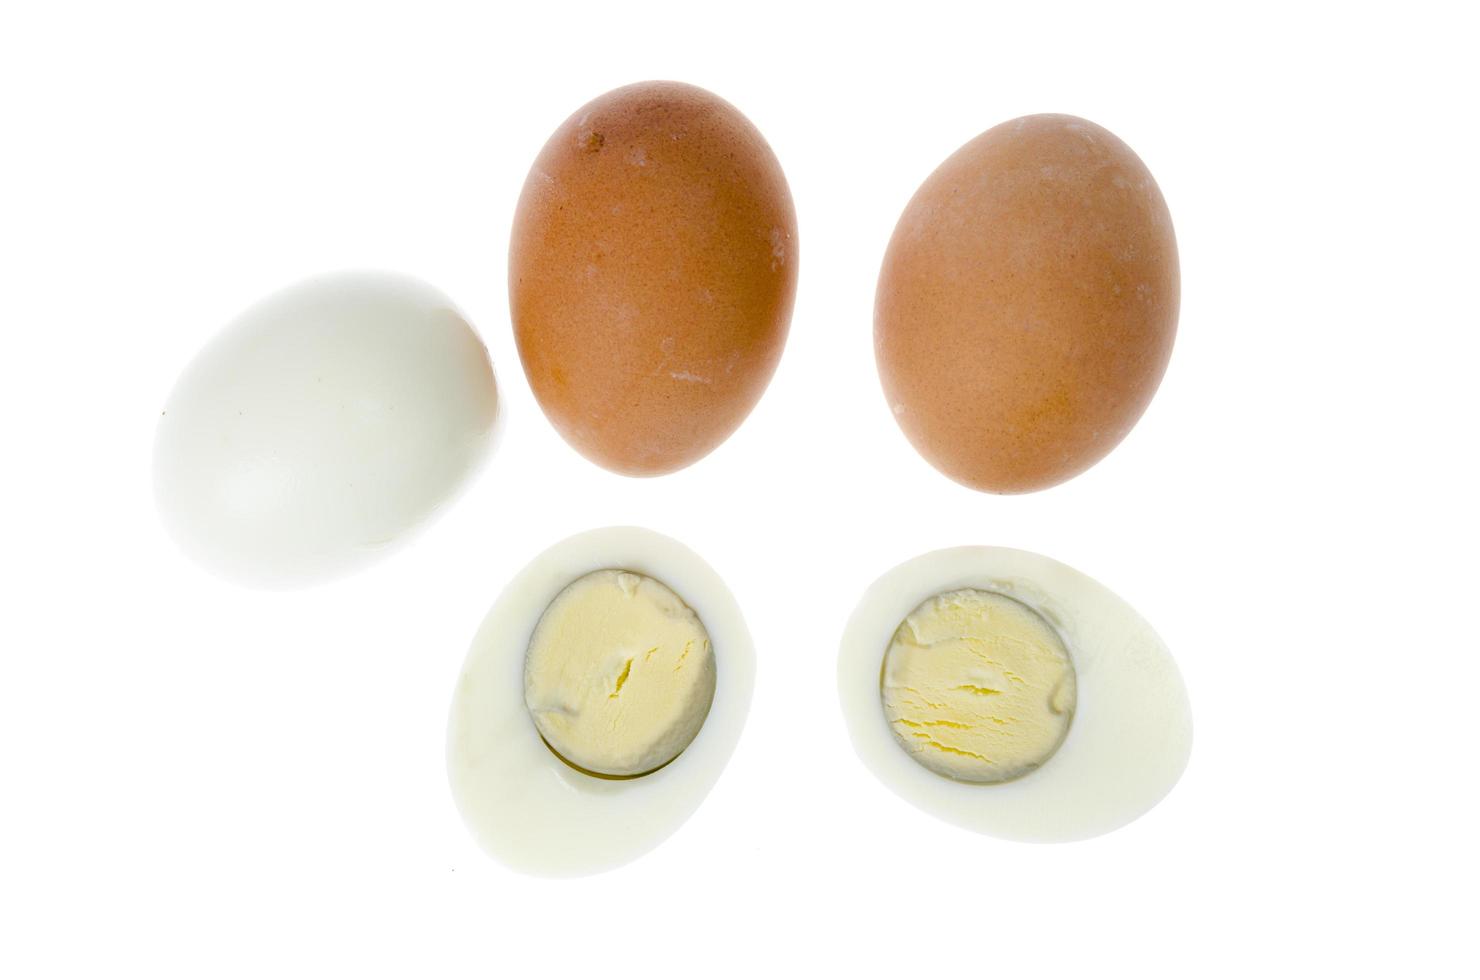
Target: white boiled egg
{"points": [[599, 703], [321, 427], [1011, 695]]}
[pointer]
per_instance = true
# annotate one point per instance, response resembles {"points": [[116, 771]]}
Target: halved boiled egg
{"points": [[599, 703], [1009, 694]]}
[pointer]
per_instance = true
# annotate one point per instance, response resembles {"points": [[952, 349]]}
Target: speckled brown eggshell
{"points": [[1027, 304], [652, 269]]}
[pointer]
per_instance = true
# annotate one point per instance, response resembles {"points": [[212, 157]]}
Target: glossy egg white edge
{"points": [[322, 427], [523, 805], [1132, 730]]}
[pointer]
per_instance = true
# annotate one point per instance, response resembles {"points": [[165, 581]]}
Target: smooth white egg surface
{"points": [[1129, 722], [321, 426], [525, 805]]}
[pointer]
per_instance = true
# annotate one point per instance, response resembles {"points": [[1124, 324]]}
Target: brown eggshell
{"points": [[652, 270], [1027, 304]]}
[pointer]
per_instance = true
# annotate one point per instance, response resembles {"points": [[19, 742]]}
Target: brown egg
{"points": [[652, 270], [1027, 304]]}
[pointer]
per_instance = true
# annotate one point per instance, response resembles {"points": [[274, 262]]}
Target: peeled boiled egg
{"points": [[598, 704], [1011, 695], [1027, 304], [652, 268], [321, 427]]}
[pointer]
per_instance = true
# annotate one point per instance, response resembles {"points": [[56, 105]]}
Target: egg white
{"points": [[526, 807], [1132, 730]]}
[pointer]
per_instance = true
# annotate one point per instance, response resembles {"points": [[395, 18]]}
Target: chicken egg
{"points": [[652, 268], [1009, 694], [1027, 304], [321, 427], [598, 704]]}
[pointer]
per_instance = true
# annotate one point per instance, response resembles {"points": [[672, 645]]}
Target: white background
{"points": [[204, 781]]}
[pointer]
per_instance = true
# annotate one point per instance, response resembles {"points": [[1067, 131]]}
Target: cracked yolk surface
{"points": [[619, 675], [977, 686]]}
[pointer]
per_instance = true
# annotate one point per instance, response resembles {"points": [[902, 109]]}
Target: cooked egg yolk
{"points": [[978, 687], [619, 675]]}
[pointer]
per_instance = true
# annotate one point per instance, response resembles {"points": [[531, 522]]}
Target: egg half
{"points": [[1009, 694], [548, 812]]}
